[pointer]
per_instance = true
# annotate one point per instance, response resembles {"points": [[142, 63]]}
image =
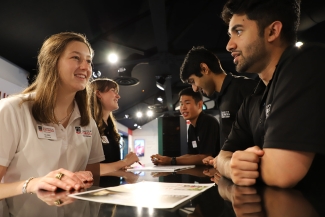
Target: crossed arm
{"points": [[276, 167]]}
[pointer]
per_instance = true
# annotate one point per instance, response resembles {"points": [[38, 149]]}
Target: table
{"points": [[224, 199]]}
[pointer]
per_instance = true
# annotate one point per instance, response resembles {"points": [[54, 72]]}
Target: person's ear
{"points": [[274, 31], [200, 104], [98, 94], [204, 68]]}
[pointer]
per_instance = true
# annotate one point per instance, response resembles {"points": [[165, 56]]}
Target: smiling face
{"points": [[246, 45], [74, 67], [189, 109], [109, 99]]}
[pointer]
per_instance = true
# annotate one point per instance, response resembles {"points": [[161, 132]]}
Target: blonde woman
{"points": [[47, 135], [104, 101]]}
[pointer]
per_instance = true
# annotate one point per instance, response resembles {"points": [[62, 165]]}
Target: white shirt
{"points": [[26, 155]]}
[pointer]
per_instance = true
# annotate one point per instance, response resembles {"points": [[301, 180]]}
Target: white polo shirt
{"points": [[26, 154]]}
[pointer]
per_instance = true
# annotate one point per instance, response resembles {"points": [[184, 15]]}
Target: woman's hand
{"points": [[57, 179], [130, 158], [85, 176]]}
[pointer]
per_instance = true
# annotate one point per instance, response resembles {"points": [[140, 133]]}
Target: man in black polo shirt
{"points": [[202, 69], [203, 136], [278, 135]]}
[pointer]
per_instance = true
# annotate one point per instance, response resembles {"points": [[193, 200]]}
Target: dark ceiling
{"points": [[151, 38]]}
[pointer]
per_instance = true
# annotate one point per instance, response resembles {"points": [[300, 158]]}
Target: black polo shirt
{"points": [[112, 148], [290, 113], [112, 154], [232, 94], [204, 137]]}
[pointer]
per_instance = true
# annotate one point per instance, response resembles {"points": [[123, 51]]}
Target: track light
{"points": [[299, 43], [97, 74], [160, 99], [161, 81]]}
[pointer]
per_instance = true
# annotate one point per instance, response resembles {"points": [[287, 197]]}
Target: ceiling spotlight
{"points": [[139, 127], [149, 113], [126, 116], [299, 43], [135, 125], [112, 58], [160, 99], [139, 114], [96, 74]]}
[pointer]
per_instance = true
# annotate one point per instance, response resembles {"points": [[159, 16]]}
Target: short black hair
{"points": [[193, 59], [197, 96], [264, 12]]}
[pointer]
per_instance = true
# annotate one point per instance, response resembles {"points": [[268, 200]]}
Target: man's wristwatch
{"points": [[173, 161]]}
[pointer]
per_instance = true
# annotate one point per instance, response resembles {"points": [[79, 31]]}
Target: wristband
{"points": [[24, 189]]}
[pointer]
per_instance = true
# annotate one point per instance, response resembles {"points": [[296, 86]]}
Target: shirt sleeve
{"points": [[295, 119], [96, 152], [209, 136], [9, 131]]}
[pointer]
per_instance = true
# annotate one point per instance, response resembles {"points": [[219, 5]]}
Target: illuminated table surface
{"points": [[224, 199]]}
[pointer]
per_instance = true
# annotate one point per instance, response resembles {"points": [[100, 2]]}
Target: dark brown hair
{"points": [[103, 85]]}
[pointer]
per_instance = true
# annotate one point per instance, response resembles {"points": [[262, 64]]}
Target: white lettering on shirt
{"points": [[225, 114], [267, 110]]}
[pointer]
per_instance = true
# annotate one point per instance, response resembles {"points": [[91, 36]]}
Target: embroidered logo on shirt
{"points": [[267, 110], [78, 130], [83, 132], [225, 114], [86, 133]]}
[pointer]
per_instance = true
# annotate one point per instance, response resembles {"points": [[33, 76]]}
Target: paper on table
{"points": [[162, 168], [145, 194]]}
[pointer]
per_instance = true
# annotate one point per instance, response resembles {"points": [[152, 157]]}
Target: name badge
{"points": [[46, 132], [194, 144], [104, 139]]}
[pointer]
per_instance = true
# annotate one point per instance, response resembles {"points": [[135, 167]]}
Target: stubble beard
{"points": [[255, 52]]}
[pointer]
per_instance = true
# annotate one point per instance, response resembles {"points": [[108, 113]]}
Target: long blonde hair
{"points": [[102, 85], [47, 80]]}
